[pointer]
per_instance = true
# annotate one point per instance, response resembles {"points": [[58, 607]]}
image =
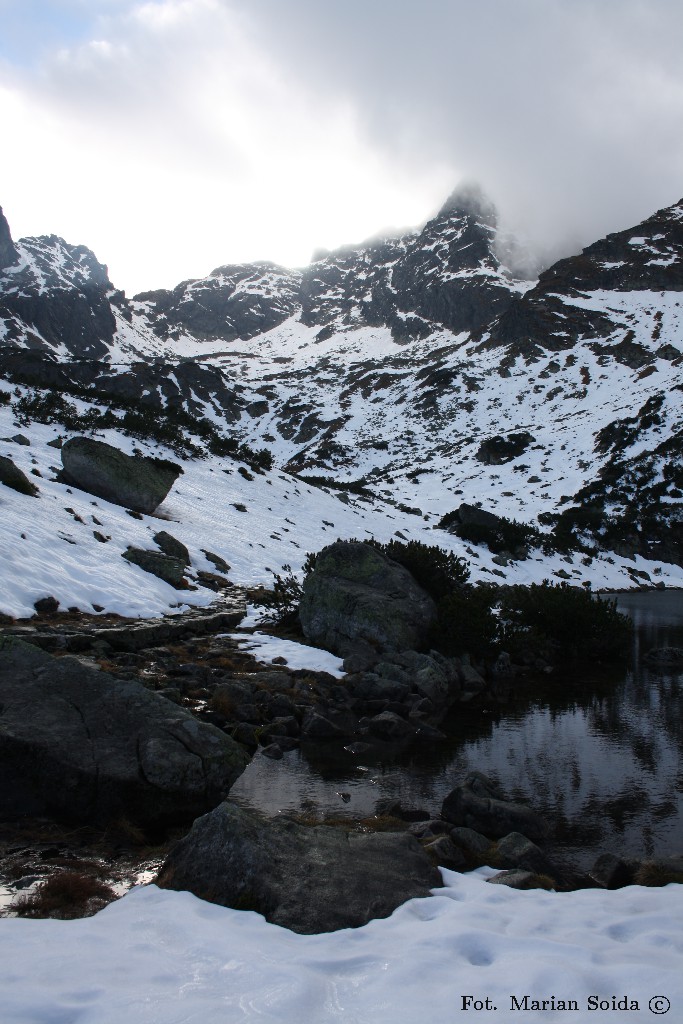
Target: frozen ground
{"points": [[168, 958]]}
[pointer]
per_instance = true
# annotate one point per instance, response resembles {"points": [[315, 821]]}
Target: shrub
{"points": [[284, 598], [574, 621], [466, 622], [438, 571]]}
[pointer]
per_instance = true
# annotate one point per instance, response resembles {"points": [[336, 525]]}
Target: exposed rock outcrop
{"points": [[81, 745], [307, 879], [135, 482], [355, 593]]}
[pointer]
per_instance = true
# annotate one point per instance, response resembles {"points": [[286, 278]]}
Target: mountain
{"points": [[412, 375]]}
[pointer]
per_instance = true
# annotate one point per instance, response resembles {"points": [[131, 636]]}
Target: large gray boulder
{"points": [[355, 593], [79, 744], [308, 879], [133, 481], [479, 804]]}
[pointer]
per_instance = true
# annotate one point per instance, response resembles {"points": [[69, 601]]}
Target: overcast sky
{"points": [[175, 135]]}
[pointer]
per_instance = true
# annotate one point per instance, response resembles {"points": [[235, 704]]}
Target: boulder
{"points": [[307, 879], [81, 745], [479, 804], [355, 593], [166, 567], [516, 851], [170, 545], [665, 656], [12, 476], [136, 482]]}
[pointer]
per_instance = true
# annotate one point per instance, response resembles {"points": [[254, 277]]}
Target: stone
{"points": [[166, 567], [612, 872], [479, 804], [516, 851], [315, 727], [473, 843], [390, 727], [216, 560], [355, 593], [46, 605], [81, 745], [663, 656], [171, 546], [309, 879], [15, 478], [135, 482], [21, 439], [445, 854], [515, 879]]}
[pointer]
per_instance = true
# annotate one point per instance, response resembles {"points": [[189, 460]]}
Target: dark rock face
{"points": [[59, 294], [8, 253], [233, 302], [480, 805], [497, 450], [648, 257], [357, 593], [12, 476], [81, 745], [445, 275], [137, 483], [307, 879]]}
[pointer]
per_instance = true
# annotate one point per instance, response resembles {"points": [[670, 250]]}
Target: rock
{"points": [[356, 593], [137, 483], [390, 727], [663, 656], [611, 872], [8, 253], [46, 606], [273, 751], [217, 561], [56, 442], [316, 727], [516, 851], [470, 841], [171, 546], [166, 567], [12, 476], [445, 854], [21, 439], [81, 745], [515, 879], [479, 804], [308, 879]]}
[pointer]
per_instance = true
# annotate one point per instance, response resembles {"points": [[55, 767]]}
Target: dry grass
{"points": [[66, 895], [656, 874]]}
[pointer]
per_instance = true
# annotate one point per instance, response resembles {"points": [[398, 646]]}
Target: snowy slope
{"points": [[258, 522], [360, 383]]}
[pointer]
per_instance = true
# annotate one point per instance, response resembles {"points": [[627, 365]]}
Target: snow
{"points": [[158, 957], [266, 648], [258, 523]]}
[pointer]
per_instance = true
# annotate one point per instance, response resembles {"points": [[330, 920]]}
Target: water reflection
{"points": [[600, 756]]}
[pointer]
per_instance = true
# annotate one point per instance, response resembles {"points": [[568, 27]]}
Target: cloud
{"points": [[175, 135]]}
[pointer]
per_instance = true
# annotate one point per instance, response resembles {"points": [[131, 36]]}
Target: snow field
{"points": [[158, 957]]}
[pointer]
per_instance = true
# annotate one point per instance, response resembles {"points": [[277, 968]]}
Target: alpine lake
{"points": [[597, 752]]}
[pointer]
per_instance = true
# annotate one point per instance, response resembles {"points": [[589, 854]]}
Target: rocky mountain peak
{"points": [[8, 252], [469, 200]]}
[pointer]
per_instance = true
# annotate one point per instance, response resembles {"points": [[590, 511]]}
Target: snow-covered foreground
{"points": [[168, 958]]}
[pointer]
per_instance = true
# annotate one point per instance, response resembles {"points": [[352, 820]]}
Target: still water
{"points": [[599, 756]]}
